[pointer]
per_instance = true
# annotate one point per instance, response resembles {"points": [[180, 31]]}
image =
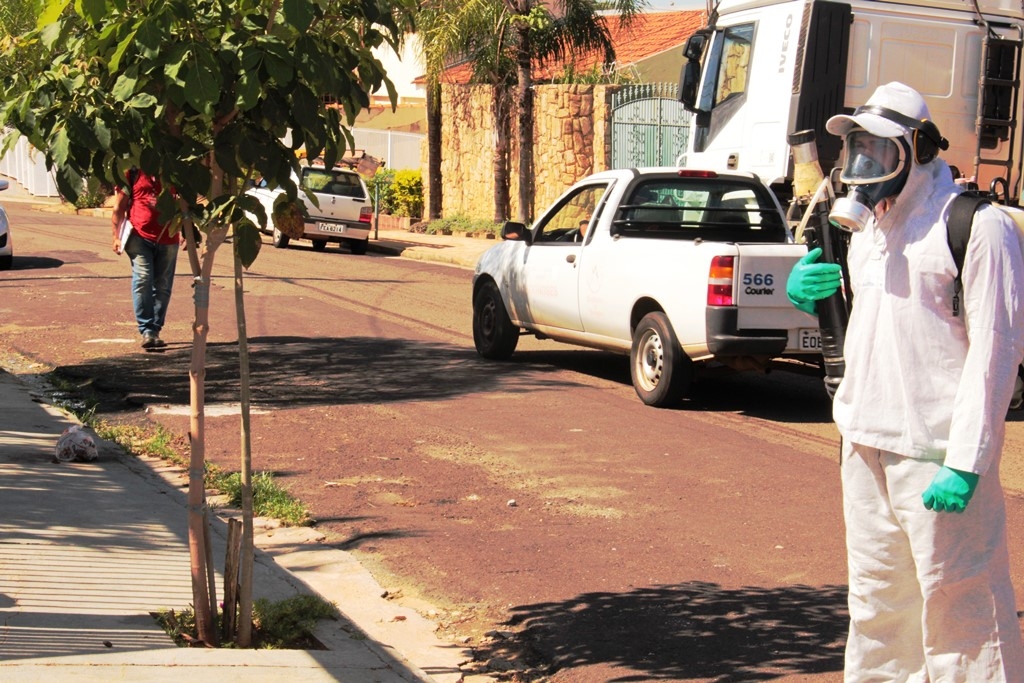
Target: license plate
{"points": [[810, 339], [331, 227]]}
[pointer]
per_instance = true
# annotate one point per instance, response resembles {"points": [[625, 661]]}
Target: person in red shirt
{"points": [[153, 250]]}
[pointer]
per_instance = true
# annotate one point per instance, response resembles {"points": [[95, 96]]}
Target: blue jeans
{"points": [[152, 278]]}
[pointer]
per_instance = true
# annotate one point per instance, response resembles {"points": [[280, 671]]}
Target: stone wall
{"points": [[572, 139]]}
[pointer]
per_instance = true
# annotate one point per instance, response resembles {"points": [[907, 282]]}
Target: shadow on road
{"points": [[693, 630], [294, 372]]}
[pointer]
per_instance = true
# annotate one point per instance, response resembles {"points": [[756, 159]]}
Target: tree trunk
{"points": [[499, 108], [434, 180], [244, 638], [524, 97], [201, 598]]}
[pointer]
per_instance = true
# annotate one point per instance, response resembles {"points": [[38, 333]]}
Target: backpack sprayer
{"points": [[813, 195]]}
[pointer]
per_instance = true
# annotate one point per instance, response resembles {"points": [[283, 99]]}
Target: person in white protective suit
{"points": [[922, 407]]}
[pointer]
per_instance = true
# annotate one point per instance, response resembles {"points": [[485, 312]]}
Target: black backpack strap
{"points": [[958, 233]]}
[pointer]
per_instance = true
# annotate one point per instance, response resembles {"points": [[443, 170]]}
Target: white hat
{"points": [[894, 96]]}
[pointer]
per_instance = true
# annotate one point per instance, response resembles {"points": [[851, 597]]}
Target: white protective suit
{"points": [[930, 593]]}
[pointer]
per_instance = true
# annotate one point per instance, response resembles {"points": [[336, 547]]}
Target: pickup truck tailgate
{"points": [[759, 293]]}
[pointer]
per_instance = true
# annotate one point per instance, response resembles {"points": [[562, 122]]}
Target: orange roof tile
{"points": [[648, 34]]}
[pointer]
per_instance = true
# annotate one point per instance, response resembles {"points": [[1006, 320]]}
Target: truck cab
{"points": [[762, 70]]}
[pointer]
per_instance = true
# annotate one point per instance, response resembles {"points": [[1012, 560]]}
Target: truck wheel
{"points": [[493, 332], [319, 245], [661, 372], [359, 247], [279, 239]]}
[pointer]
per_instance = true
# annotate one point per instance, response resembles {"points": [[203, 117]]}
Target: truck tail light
{"points": [[720, 281], [365, 214]]}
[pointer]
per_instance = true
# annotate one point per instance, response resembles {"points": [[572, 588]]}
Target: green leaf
{"points": [[60, 147], [51, 12], [148, 37], [124, 86], [122, 47], [49, 34], [247, 242], [92, 11], [247, 91], [142, 101], [202, 81], [298, 13]]}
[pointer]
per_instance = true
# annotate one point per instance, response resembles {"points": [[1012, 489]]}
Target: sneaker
{"points": [[159, 343], [149, 340]]}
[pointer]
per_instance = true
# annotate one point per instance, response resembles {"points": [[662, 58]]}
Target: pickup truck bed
{"points": [[676, 268]]}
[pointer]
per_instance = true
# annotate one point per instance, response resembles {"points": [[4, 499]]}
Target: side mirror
{"points": [[512, 230], [688, 86], [695, 45]]}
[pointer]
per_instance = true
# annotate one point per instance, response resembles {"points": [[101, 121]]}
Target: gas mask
{"points": [[875, 168]]}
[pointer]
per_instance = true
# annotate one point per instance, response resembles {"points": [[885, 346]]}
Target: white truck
{"points": [[763, 69], [677, 268], [343, 212]]}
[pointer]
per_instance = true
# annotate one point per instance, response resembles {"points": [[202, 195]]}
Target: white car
{"points": [[344, 214], [6, 244]]}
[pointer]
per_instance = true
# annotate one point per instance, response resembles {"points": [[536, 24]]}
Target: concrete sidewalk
{"points": [[89, 550]]}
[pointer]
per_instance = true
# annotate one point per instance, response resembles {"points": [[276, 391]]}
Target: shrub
{"points": [[407, 191], [92, 196], [381, 186], [463, 224]]}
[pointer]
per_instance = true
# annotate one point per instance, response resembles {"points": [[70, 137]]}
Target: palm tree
{"points": [[502, 41], [475, 33], [573, 27]]}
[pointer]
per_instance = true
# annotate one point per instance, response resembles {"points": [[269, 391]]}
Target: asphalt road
{"points": [[537, 498]]}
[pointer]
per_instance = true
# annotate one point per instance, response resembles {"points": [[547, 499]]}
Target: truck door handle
{"points": [[571, 258]]}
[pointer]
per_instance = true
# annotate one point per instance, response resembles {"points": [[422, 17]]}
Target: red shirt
{"points": [[143, 213]]}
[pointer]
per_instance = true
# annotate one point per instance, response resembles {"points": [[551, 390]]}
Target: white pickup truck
{"points": [[344, 213], [675, 267]]}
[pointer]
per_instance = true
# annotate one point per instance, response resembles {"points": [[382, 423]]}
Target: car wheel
{"points": [[319, 245], [6, 262], [279, 239], [359, 247], [493, 332], [661, 372]]}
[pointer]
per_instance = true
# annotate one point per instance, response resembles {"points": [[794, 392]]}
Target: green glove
{"points": [[950, 490], [809, 281]]}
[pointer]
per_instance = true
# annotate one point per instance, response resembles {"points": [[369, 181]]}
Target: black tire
{"points": [[279, 239], [319, 245], [494, 334], [359, 247], [661, 372], [6, 262]]}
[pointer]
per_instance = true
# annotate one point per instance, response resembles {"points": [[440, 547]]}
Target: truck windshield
{"points": [[721, 210]]}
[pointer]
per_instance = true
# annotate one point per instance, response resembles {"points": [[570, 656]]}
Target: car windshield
{"points": [[339, 183]]}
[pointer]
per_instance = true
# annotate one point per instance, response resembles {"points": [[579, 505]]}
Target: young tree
{"points": [[204, 96]]}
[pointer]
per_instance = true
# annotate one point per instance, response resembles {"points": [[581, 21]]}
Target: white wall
{"points": [[402, 69]]}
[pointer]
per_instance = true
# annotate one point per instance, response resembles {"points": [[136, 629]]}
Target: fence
{"points": [[399, 151], [27, 166]]}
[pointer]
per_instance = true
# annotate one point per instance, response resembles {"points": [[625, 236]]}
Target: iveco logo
{"points": [[785, 43]]}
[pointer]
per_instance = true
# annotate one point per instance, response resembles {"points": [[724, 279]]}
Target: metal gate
{"points": [[650, 127]]}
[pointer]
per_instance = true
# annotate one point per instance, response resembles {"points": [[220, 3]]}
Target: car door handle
{"points": [[571, 258]]}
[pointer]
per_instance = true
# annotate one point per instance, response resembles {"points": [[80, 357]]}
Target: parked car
{"points": [[676, 267], [344, 214], [6, 244]]}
